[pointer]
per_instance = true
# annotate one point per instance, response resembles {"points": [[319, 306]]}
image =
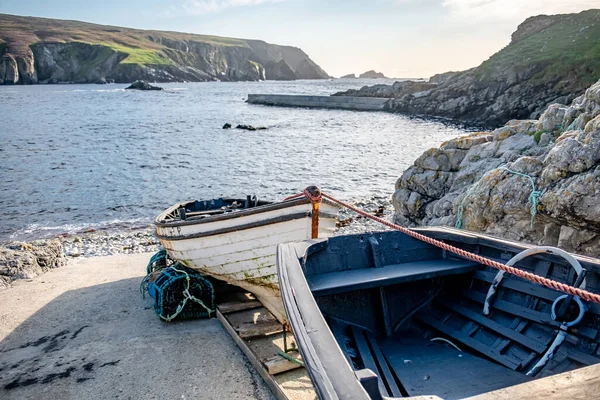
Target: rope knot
{"points": [[313, 193]]}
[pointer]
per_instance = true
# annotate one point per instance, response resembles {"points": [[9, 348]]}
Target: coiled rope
{"points": [[549, 283]]}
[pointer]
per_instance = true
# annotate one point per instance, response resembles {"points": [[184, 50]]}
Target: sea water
{"points": [[79, 157]]}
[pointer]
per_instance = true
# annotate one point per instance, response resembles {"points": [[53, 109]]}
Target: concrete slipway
{"points": [[83, 331]]}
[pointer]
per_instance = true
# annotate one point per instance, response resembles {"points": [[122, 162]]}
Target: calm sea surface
{"points": [[76, 157]]}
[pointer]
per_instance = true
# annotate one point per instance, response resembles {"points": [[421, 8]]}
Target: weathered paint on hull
{"points": [[246, 258]]}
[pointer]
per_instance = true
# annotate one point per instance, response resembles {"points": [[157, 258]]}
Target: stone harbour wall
{"points": [[339, 102]]}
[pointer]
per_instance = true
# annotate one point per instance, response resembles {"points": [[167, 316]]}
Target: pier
{"points": [[335, 102]]}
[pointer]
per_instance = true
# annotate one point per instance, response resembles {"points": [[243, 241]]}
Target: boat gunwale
{"points": [[319, 337], [160, 220], [448, 233], [251, 225]]}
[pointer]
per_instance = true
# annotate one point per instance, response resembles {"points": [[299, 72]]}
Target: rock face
{"points": [[549, 59], [279, 71], [39, 50], [142, 85], [398, 89], [28, 260], [468, 175], [444, 77], [372, 75]]}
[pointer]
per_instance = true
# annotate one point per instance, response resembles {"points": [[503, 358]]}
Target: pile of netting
{"points": [[178, 291]]}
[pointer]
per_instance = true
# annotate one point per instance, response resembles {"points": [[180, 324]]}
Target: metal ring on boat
{"points": [[526, 253], [582, 310]]}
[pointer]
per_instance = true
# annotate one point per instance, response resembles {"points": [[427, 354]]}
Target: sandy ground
{"points": [[84, 331]]}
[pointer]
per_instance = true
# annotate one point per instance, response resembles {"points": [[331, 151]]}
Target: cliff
{"points": [[40, 50], [549, 59], [536, 181]]}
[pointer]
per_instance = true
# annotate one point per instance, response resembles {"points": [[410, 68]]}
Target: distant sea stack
{"points": [[349, 76], [372, 75], [40, 50], [550, 59]]}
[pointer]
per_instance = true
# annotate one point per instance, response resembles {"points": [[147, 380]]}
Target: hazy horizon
{"points": [[401, 38]]}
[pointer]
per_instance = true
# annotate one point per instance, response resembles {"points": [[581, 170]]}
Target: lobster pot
{"points": [[168, 290]]}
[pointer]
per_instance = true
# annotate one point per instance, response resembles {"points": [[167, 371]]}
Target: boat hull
{"points": [[241, 250], [382, 315]]}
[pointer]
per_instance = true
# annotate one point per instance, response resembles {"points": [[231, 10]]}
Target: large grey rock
{"points": [[142, 85], [27, 260], [469, 175]]}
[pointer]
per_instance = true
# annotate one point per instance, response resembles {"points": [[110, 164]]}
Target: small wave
{"points": [[37, 231]]}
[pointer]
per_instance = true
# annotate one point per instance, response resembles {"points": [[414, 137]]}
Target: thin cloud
{"points": [[200, 7], [515, 8]]}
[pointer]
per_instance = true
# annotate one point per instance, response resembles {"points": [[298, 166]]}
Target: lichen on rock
{"points": [[469, 176]]}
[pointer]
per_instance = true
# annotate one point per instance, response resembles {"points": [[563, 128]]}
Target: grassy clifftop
{"points": [[560, 45], [55, 50], [21, 32]]}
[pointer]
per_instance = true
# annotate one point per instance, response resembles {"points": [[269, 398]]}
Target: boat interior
{"points": [[414, 314], [196, 210]]}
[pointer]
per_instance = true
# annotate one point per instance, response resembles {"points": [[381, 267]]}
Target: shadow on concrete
{"points": [[105, 341]]}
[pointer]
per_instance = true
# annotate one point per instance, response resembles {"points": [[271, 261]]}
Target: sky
{"points": [[401, 38]]}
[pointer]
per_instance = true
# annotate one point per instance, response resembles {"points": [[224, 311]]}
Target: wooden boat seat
{"points": [[368, 278]]}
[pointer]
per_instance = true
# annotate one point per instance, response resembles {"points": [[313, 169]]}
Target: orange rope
{"points": [[549, 283]]}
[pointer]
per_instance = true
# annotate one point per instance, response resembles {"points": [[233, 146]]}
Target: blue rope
{"points": [[534, 198]]}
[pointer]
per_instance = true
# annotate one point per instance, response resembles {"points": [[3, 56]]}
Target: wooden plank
{"points": [[234, 306], [387, 326], [389, 376], [367, 357], [508, 361], [527, 313], [277, 364], [514, 309], [518, 325], [260, 328], [271, 383], [494, 326], [528, 288], [583, 383], [582, 357], [519, 285], [433, 368], [368, 278]]}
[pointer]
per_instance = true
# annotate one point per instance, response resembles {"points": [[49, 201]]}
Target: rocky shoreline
{"points": [[535, 181], [26, 260]]}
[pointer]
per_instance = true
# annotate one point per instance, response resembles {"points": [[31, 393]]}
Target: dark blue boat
{"points": [[385, 315]]}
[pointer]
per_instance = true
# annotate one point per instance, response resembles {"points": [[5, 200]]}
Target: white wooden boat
{"points": [[235, 240]]}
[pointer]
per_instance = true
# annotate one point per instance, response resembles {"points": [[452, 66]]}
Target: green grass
{"points": [[140, 56], [569, 47], [537, 136]]}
